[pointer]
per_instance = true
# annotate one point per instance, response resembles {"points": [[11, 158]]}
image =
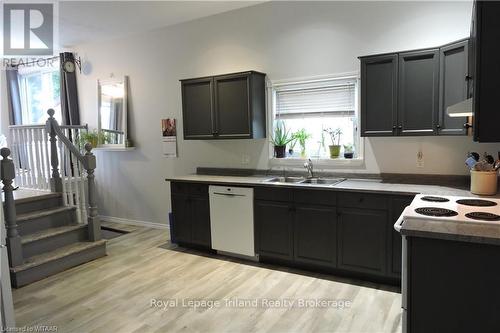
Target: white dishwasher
{"points": [[231, 220]]}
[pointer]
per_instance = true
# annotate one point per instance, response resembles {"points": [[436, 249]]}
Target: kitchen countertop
{"points": [[358, 185], [488, 234]]}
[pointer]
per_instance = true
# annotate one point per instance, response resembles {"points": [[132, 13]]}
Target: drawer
{"points": [[273, 194], [362, 200], [189, 188], [314, 196]]}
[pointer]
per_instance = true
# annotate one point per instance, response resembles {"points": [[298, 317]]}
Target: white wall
{"points": [[282, 39]]}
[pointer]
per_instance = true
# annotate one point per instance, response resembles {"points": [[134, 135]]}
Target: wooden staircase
{"points": [[51, 239]]}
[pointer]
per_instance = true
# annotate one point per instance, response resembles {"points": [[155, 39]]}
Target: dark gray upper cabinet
{"points": [[453, 81], [228, 106], [485, 34], [198, 108], [418, 93], [379, 84], [407, 93]]}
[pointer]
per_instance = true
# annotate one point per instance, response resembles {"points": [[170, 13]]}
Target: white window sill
{"points": [[319, 162]]}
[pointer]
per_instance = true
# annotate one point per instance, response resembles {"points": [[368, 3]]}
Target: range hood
{"points": [[462, 109]]}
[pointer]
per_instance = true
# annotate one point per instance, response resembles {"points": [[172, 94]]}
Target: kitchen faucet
{"points": [[309, 167]]}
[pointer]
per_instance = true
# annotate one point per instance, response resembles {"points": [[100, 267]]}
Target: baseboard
{"points": [[153, 225]]}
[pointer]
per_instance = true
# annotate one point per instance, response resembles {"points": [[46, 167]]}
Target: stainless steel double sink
{"points": [[305, 181]]}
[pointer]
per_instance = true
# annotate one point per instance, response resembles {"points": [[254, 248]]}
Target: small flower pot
{"points": [[334, 151], [279, 151], [348, 155]]}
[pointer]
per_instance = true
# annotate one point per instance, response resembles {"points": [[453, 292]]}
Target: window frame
{"points": [[274, 86]]}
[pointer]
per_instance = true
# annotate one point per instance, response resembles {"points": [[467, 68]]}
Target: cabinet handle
{"points": [[400, 127], [467, 125], [393, 127], [438, 126]]}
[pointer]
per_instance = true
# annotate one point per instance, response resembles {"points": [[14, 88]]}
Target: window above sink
{"points": [[311, 106]]}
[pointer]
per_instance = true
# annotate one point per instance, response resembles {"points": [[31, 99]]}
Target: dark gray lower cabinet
{"points": [[452, 286], [191, 214], [181, 228], [362, 240], [200, 213], [315, 235], [274, 229]]}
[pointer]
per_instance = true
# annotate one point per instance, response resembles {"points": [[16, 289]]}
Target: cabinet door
{"points": [[181, 228], [315, 235], [273, 229], [362, 240], [200, 221], [232, 103], [487, 71], [453, 80], [418, 93], [197, 108], [379, 83], [398, 204]]}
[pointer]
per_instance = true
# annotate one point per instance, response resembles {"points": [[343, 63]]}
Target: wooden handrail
{"points": [[85, 127], [88, 161]]}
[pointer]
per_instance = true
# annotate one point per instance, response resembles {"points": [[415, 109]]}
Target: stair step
{"points": [[50, 239], [51, 232], [43, 213], [46, 264], [39, 202], [33, 222]]}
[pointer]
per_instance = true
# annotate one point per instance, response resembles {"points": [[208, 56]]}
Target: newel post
{"points": [[55, 180], [13, 239], [94, 224]]}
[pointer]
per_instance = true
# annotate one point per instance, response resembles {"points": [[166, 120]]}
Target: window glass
{"points": [[39, 90]]}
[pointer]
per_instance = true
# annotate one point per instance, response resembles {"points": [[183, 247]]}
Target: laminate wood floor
{"points": [[115, 294]]}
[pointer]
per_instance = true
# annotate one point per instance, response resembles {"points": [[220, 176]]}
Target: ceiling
{"points": [[88, 21]]}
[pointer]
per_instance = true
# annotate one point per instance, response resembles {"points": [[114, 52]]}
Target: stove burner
{"points": [[434, 199], [476, 202], [483, 216], [435, 211]]}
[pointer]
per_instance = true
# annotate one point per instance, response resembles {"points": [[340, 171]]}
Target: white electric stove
{"points": [[463, 216]]}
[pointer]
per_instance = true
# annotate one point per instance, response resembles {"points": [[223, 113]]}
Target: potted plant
{"points": [[280, 139], [348, 151], [335, 137], [94, 137], [292, 144], [302, 136]]}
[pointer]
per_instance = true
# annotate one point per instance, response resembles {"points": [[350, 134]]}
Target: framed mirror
{"points": [[112, 112]]}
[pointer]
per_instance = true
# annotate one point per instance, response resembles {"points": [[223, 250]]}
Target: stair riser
{"points": [[58, 219], [36, 273], [52, 243], [28, 207]]}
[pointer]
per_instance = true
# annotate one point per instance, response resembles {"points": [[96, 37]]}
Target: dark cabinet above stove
{"points": [[228, 106]]}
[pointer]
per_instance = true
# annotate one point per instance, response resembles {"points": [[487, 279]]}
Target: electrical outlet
{"points": [[420, 159], [245, 159]]}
